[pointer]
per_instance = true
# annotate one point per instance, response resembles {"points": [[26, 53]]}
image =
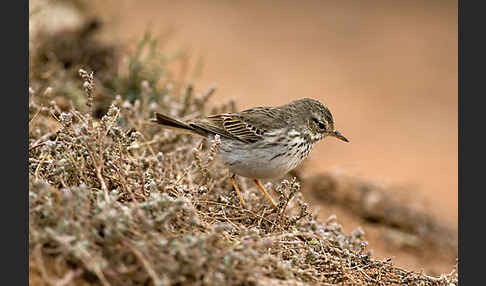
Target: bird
{"points": [[262, 142]]}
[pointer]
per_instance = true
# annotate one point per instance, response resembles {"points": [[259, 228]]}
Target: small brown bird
{"points": [[263, 142]]}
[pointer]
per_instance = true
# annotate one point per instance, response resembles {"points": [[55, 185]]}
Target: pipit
{"points": [[263, 142]]}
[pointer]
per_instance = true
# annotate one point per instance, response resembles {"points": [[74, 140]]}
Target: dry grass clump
{"points": [[120, 201]]}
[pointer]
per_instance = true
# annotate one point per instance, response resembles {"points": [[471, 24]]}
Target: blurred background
{"points": [[388, 70]]}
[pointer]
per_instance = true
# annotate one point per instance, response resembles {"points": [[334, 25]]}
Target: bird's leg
{"points": [[237, 189], [267, 195]]}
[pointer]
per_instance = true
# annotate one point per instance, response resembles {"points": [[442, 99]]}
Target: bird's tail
{"points": [[173, 123]]}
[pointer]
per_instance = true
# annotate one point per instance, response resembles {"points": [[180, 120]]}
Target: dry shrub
{"points": [[120, 201]]}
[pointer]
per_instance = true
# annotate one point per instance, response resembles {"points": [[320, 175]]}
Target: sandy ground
{"points": [[388, 70]]}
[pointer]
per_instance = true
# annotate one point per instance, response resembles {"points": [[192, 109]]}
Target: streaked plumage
{"points": [[264, 142]]}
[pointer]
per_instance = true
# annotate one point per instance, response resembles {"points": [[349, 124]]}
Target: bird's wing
{"points": [[247, 126]]}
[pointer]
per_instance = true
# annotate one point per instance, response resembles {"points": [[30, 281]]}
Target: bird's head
{"points": [[318, 119]]}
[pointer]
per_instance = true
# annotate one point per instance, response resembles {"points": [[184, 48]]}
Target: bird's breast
{"points": [[263, 160]]}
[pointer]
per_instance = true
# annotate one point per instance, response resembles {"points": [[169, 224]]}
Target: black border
{"points": [[471, 160], [21, 184], [15, 203]]}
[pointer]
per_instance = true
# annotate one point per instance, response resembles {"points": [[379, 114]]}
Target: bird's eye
{"points": [[319, 124]]}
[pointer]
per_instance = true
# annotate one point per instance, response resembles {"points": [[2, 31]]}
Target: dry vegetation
{"points": [[116, 200]]}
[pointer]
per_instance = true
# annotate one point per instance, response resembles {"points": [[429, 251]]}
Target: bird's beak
{"points": [[339, 136]]}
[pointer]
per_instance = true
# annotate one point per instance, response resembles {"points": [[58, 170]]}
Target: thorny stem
{"points": [[99, 167]]}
